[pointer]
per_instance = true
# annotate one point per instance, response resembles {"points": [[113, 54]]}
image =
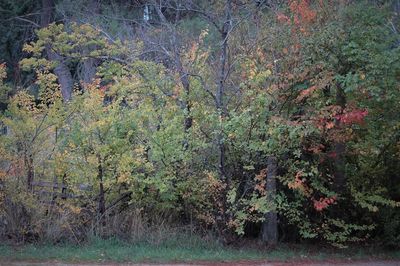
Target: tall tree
{"points": [[61, 69]]}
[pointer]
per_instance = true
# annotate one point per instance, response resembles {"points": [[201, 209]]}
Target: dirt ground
{"points": [[242, 263]]}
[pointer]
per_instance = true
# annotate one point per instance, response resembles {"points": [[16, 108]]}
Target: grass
{"points": [[179, 250]]}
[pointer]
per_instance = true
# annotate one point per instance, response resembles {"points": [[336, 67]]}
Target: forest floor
{"points": [[180, 253]]}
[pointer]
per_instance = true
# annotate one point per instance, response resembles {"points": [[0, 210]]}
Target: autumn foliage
{"points": [[220, 118]]}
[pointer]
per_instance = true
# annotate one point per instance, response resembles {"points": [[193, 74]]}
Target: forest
{"points": [[268, 120]]}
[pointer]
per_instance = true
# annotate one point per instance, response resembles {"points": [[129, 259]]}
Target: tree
{"points": [[61, 70], [234, 117]]}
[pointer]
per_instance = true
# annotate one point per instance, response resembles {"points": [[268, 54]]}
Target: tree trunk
{"points": [[183, 76], [64, 187], [61, 70], [90, 64], [340, 148], [270, 225], [187, 105], [102, 204], [64, 76], [30, 171], [396, 20], [220, 105], [89, 70]]}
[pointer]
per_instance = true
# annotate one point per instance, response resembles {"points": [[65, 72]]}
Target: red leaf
{"points": [[353, 117], [323, 203]]}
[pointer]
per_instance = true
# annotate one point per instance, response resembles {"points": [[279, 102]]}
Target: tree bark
{"points": [[395, 23], [270, 225], [89, 66], [186, 103], [102, 202], [30, 171], [220, 105], [175, 56], [89, 70], [340, 148], [61, 70]]}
